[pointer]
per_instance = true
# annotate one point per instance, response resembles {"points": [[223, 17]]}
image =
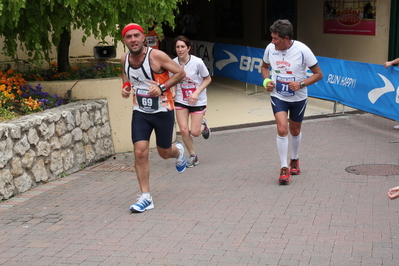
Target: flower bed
{"points": [[18, 97], [78, 70]]}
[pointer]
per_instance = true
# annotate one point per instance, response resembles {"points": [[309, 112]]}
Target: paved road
{"points": [[228, 210]]}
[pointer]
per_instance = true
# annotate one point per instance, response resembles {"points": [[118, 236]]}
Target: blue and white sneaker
{"points": [[180, 161], [143, 203]]}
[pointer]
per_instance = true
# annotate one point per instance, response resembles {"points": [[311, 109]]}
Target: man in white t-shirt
{"points": [[287, 83]]}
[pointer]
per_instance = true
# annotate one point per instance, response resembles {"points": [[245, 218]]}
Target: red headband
{"points": [[131, 27]]}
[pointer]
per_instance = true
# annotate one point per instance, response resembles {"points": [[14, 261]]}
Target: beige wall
{"points": [[77, 48]]}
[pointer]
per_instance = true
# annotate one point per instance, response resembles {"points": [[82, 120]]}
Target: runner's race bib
{"points": [[151, 41], [187, 89], [282, 86], [146, 102]]}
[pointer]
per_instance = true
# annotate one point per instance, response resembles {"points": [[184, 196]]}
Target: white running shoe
{"points": [[143, 203], [180, 161]]}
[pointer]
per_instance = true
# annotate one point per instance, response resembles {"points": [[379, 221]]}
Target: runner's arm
{"points": [[266, 75], [317, 75], [166, 63], [125, 89]]}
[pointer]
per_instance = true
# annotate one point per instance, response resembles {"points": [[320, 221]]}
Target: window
{"points": [[273, 10], [229, 19]]}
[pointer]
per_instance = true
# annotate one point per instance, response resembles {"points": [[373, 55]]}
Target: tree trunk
{"points": [[63, 51]]}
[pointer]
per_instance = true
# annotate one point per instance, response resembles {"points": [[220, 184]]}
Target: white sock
{"points": [[146, 195], [282, 148], [296, 142]]}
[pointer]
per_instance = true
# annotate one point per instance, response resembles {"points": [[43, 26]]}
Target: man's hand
{"points": [[270, 86], [154, 90], [294, 85], [393, 193], [126, 90], [387, 64]]}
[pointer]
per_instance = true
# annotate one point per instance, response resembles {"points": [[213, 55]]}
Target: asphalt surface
{"points": [[228, 210]]}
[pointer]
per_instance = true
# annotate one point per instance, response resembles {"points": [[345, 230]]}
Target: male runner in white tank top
{"points": [[146, 77]]}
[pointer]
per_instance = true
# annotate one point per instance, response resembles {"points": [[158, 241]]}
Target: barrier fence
{"points": [[367, 87]]}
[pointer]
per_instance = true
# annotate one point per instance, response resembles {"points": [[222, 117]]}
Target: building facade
{"points": [[245, 22]]}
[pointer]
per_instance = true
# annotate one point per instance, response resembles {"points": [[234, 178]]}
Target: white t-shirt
{"points": [[196, 71], [289, 65]]}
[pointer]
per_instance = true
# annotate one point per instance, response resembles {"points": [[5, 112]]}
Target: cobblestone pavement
{"points": [[228, 210]]}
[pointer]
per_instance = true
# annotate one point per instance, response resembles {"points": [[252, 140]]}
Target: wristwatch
{"points": [[302, 84], [162, 87]]}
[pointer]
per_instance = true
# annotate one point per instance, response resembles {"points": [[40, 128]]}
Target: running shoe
{"points": [[180, 161], [284, 176], [192, 161], [207, 131], [294, 167], [143, 203], [396, 127]]}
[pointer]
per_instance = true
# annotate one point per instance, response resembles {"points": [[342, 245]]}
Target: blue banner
{"points": [[238, 62], [367, 87]]}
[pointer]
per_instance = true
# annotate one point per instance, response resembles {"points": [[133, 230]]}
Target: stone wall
{"points": [[41, 147]]}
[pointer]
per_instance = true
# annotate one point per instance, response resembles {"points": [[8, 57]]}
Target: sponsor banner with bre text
{"points": [[367, 87]]}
